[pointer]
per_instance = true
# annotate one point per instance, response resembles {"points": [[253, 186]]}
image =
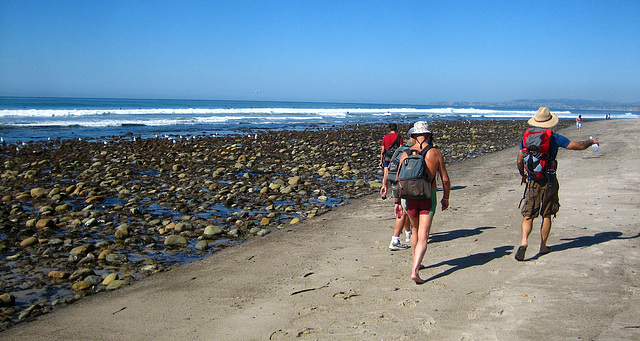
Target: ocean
{"points": [[24, 119]]}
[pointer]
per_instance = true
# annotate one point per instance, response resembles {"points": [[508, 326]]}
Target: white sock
{"points": [[395, 240], [408, 233]]}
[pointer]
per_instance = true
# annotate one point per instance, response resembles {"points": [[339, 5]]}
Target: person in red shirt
{"points": [[390, 143], [393, 138]]}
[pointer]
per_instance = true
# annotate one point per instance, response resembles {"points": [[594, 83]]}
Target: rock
{"points": [[93, 279], [55, 241], [274, 186], [323, 198], [81, 285], [175, 240], [202, 245], [375, 184], [45, 223], [265, 221], [254, 230], [149, 268], [294, 180], [117, 284], [212, 230], [294, 221], [55, 274], [39, 192], [82, 249], [104, 253], [81, 273], [262, 232], [7, 300], [115, 259], [63, 208], [29, 241], [109, 278], [122, 232], [96, 198]]}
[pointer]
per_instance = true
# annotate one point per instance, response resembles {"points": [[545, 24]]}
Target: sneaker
{"points": [[399, 246], [408, 239]]}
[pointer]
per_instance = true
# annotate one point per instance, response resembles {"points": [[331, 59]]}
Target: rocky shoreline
{"points": [[81, 217]]}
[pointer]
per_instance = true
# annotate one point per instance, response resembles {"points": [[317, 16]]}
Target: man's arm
{"points": [[582, 145], [397, 209], [520, 164], [385, 179], [446, 184]]}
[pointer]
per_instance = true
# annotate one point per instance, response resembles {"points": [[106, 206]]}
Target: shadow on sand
{"points": [[586, 241], [455, 234], [469, 261]]}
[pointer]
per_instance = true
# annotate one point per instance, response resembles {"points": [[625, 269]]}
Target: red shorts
{"points": [[415, 208]]}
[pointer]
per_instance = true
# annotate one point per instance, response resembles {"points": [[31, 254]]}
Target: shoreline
{"points": [[267, 237]]}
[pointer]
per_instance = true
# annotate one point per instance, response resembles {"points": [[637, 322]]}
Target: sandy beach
{"points": [[332, 277]]}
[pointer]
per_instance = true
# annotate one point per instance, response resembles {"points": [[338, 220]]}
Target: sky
{"points": [[409, 52]]}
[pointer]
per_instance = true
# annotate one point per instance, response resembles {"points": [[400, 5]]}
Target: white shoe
{"points": [[408, 239], [398, 246]]}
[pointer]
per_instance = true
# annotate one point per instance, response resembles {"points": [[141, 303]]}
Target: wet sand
{"points": [[333, 277]]}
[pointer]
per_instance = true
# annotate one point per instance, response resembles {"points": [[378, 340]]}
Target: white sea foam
{"points": [[192, 116], [337, 113]]}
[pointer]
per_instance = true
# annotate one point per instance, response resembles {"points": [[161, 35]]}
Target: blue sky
{"points": [[410, 52]]}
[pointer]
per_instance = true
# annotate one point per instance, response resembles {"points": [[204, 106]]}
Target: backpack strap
{"points": [[425, 150], [397, 141]]}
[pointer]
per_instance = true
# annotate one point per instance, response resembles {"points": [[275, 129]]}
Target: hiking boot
{"points": [[398, 246]]}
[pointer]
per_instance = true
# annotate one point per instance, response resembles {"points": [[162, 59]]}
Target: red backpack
{"points": [[537, 161]]}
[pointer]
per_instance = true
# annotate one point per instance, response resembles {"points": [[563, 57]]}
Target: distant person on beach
{"points": [[390, 142], [403, 221], [579, 122], [539, 174], [421, 211]]}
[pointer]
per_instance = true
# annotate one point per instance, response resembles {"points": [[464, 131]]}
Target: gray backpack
{"points": [[413, 180]]}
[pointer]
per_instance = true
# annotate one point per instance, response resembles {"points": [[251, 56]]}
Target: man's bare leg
{"points": [[419, 239], [399, 224], [407, 226], [527, 226], [544, 235]]}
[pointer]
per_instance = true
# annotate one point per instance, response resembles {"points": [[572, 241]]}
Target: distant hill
{"points": [[555, 104]]}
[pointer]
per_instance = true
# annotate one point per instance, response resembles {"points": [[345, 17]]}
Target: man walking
{"points": [[537, 166], [421, 211], [390, 143], [402, 222]]}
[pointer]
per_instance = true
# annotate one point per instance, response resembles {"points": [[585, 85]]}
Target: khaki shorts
{"points": [[541, 193]]}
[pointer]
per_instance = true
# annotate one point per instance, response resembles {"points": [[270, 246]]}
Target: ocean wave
{"points": [[258, 116], [338, 113]]}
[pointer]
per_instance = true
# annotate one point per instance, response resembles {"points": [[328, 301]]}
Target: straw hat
{"points": [[421, 127], [543, 119]]}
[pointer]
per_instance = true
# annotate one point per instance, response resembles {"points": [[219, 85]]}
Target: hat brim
{"points": [[546, 124]]}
